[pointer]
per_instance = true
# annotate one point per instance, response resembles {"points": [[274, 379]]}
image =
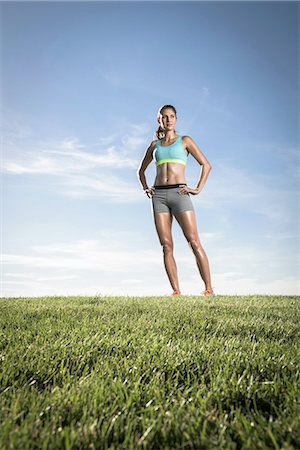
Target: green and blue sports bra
{"points": [[170, 153]]}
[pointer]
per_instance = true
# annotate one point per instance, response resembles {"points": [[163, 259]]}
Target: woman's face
{"points": [[167, 119]]}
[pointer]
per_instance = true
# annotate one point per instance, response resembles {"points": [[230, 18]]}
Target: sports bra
{"points": [[170, 153]]}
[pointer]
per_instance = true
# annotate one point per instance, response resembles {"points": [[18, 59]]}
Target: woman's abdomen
{"points": [[170, 173]]}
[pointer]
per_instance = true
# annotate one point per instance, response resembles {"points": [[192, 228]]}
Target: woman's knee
{"points": [[194, 243], [167, 246]]}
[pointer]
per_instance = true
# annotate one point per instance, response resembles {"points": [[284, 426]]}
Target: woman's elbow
{"points": [[140, 172]]}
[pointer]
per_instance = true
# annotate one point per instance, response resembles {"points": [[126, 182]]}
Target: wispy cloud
{"points": [[105, 140], [107, 186], [205, 91], [110, 261], [81, 171], [113, 265], [12, 129], [230, 188], [55, 278], [113, 78], [20, 275], [66, 157], [289, 155], [109, 173], [101, 255]]}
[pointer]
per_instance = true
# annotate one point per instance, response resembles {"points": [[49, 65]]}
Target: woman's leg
{"points": [[163, 224], [187, 221]]}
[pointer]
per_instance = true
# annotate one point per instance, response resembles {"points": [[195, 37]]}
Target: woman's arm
{"points": [[198, 155], [148, 157]]}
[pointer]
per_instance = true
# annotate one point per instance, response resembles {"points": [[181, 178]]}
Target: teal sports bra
{"points": [[170, 153]]}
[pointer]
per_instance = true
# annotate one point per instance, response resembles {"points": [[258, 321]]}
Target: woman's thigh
{"points": [[188, 223], [179, 202], [163, 224]]}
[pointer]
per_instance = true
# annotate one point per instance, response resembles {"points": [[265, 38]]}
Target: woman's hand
{"points": [[150, 191], [186, 189]]}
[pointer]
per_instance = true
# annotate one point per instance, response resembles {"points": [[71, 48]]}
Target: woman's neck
{"points": [[169, 136]]}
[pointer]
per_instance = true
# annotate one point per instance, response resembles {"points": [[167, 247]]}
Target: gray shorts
{"points": [[169, 199]]}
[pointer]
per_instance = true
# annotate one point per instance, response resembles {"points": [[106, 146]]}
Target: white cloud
{"points": [[133, 142], [110, 264], [102, 169], [77, 175], [103, 255], [66, 157], [19, 275], [62, 277], [289, 156], [80, 171], [108, 187], [37, 165], [205, 91], [131, 281], [12, 130], [111, 77], [280, 236], [230, 188], [105, 140]]}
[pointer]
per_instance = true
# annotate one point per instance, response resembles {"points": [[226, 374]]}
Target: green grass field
{"points": [[150, 372]]}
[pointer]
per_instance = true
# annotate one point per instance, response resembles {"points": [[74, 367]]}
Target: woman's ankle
{"points": [[209, 289], [176, 291]]}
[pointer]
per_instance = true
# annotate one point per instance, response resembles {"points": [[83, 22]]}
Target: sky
{"points": [[81, 86]]}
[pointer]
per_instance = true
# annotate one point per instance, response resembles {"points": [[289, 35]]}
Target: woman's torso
{"points": [[170, 161]]}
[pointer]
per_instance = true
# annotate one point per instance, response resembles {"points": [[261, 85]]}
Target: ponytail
{"points": [[159, 133]]}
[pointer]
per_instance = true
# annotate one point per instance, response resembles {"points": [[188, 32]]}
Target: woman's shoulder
{"points": [[154, 143], [185, 141], [151, 147]]}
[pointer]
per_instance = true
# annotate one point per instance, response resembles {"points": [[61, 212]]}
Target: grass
{"points": [[150, 372]]}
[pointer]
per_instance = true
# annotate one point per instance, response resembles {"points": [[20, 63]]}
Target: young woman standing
{"points": [[171, 196]]}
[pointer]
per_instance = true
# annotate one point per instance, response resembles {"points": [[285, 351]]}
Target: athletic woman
{"points": [[171, 196]]}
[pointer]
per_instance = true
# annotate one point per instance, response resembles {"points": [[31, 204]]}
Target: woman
{"points": [[171, 196]]}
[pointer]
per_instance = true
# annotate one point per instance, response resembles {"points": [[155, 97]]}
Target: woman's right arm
{"points": [[148, 157]]}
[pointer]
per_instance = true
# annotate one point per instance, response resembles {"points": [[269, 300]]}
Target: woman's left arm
{"points": [[206, 166]]}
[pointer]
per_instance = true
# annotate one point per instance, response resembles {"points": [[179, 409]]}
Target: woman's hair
{"points": [[160, 132]]}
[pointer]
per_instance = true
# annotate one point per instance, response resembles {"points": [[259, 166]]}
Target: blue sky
{"points": [[81, 86]]}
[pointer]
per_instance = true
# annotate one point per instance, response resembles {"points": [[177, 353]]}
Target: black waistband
{"points": [[169, 186]]}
